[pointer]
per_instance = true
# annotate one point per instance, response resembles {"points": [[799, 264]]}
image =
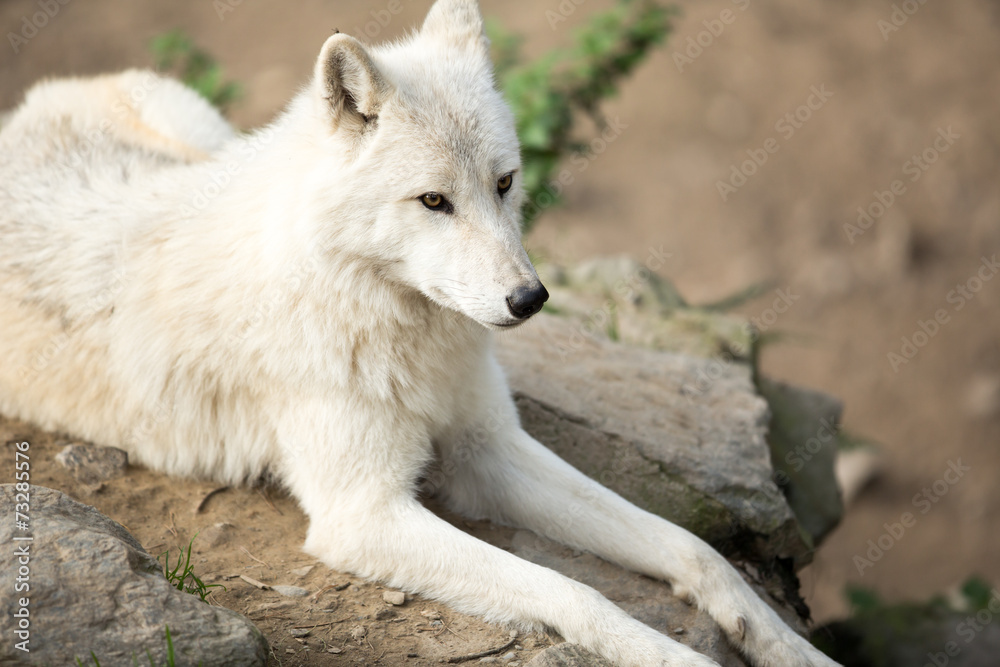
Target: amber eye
{"points": [[503, 185], [435, 202]]}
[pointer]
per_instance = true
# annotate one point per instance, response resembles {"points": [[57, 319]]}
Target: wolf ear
{"points": [[348, 82], [457, 23]]}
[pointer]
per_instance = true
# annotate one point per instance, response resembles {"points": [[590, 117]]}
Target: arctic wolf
{"points": [[316, 302]]}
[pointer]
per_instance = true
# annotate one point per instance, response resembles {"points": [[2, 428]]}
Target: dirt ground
{"points": [[842, 103]]}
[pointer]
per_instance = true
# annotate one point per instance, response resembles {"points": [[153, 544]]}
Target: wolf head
{"points": [[420, 167]]}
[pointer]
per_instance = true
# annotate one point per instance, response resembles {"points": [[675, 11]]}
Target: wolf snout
{"points": [[526, 300]]}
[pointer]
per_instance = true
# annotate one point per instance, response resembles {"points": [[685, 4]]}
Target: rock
{"points": [[855, 469], [94, 588], [91, 464], [645, 599], [216, 535], [912, 633], [804, 440], [395, 598], [290, 591], [682, 437], [618, 298], [645, 288], [303, 572], [567, 655]]}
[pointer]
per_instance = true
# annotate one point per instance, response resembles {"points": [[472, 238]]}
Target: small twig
{"points": [[172, 528], [318, 625], [253, 582], [244, 550], [483, 654], [268, 501], [204, 501]]}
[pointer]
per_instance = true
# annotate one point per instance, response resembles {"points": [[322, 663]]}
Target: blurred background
{"points": [[831, 103]]}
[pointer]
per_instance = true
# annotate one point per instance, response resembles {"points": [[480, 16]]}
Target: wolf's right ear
{"points": [[348, 82]]}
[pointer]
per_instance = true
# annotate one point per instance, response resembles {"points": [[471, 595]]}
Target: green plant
{"points": [[176, 52], [182, 576], [549, 94]]}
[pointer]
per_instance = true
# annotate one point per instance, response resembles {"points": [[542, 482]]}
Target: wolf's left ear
{"points": [[347, 80], [457, 23]]}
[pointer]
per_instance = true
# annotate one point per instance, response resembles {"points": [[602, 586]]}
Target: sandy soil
{"points": [[878, 100]]}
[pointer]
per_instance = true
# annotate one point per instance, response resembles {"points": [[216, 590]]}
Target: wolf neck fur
{"points": [[300, 280]]}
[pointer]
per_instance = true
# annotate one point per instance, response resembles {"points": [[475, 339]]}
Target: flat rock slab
{"points": [[680, 436], [93, 588]]}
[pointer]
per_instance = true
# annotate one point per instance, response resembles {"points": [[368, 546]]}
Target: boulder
{"points": [[645, 599], [94, 589], [804, 438], [683, 437]]}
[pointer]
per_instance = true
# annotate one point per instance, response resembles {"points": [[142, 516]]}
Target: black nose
{"points": [[526, 301]]}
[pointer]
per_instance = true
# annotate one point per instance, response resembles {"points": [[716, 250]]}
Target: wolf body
{"points": [[315, 301]]}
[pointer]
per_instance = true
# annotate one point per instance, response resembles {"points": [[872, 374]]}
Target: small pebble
{"points": [[303, 571], [290, 591], [395, 598], [508, 656], [334, 649], [299, 632], [678, 631]]}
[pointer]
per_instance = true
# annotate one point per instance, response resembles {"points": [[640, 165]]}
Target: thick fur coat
{"points": [[315, 301]]}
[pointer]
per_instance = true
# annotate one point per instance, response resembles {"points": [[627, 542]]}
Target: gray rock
{"points": [[290, 591], [93, 588], [804, 440], [92, 464], [682, 437], [645, 599], [567, 655], [909, 634]]}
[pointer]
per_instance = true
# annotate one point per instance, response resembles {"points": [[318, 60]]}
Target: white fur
{"points": [[282, 303]]}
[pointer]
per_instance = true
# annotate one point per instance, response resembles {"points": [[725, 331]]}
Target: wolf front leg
{"points": [[358, 491], [495, 470]]}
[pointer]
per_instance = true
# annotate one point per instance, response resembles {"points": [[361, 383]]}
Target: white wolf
{"points": [[315, 301]]}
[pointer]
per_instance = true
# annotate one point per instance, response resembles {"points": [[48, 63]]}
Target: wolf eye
{"points": [[435, 202], [503, 185]]}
